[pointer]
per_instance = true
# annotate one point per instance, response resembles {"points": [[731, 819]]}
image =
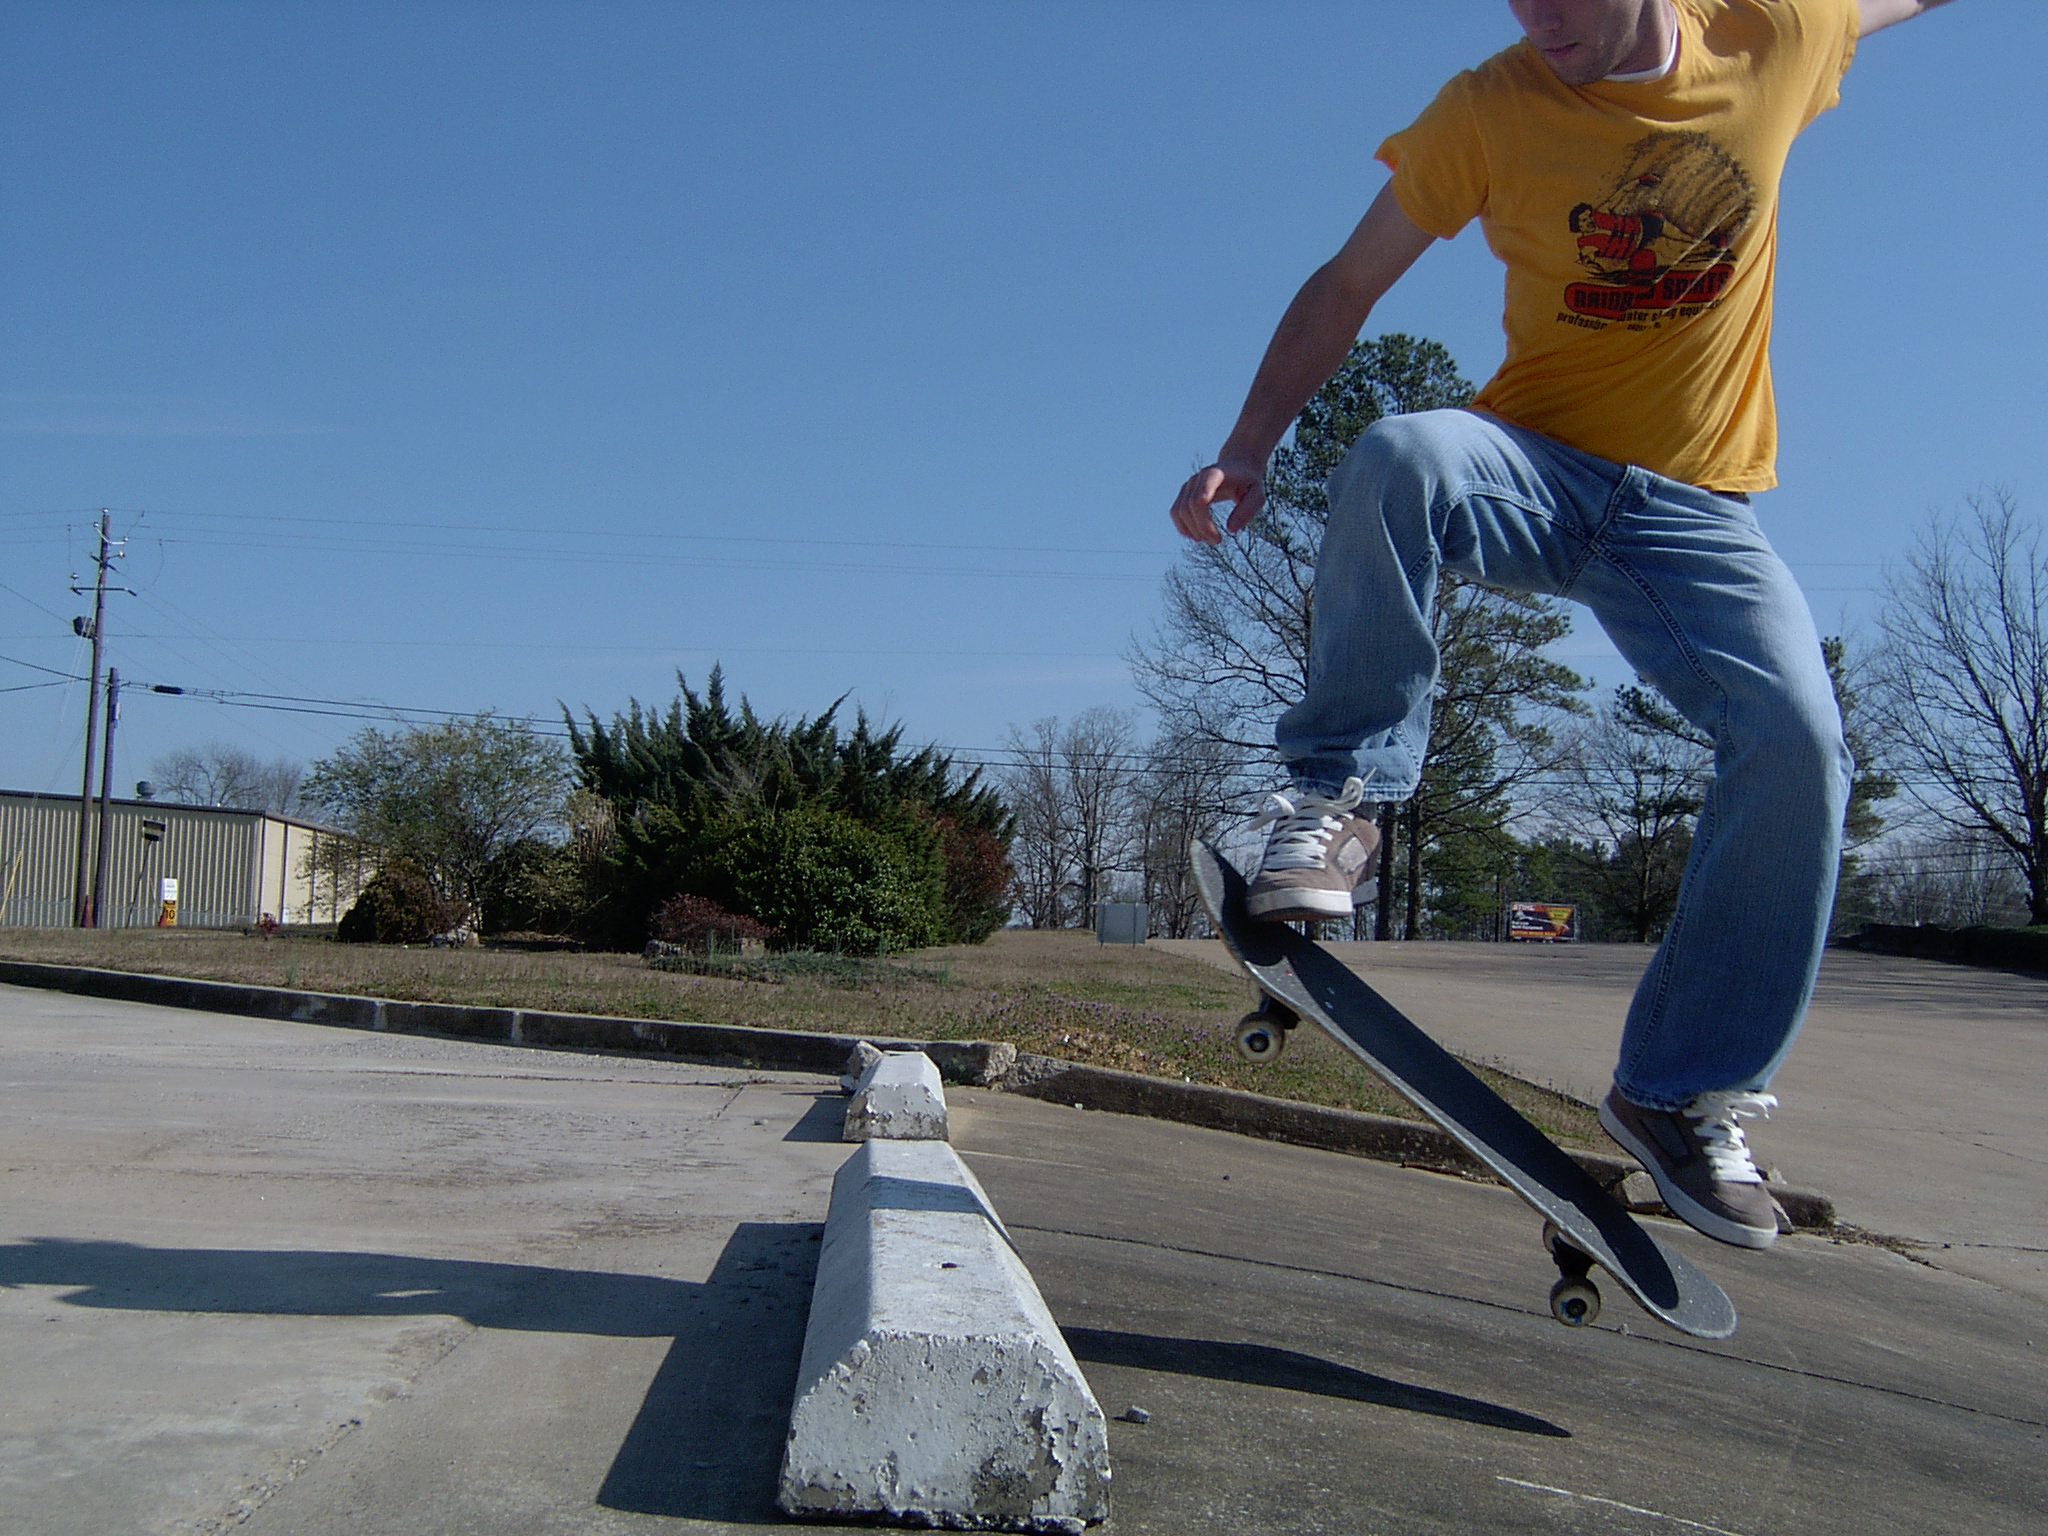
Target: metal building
{"points": [[230, 867]]}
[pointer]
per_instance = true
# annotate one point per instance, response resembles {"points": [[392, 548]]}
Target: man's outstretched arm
{"points": [[1313, 338], [1879, 14]]}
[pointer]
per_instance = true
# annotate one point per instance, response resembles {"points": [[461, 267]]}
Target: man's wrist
{"points": [[1234, 455]]}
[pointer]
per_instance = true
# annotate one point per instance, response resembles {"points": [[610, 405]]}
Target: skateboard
{"points": [[1583, 1225]]}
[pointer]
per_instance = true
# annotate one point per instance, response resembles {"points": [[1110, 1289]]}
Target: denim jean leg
{"points": [[1418, 494], [1692, 594]]}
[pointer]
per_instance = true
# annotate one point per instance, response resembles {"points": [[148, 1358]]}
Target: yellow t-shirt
{"points": [[1639, 225]]}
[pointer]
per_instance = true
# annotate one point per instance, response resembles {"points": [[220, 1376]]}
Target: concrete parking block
{"points": [[935, 1388], [898, 1098]]}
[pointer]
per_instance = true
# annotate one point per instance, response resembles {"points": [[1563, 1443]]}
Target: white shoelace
{"points": [[1720, 1117], [1303, 824]]}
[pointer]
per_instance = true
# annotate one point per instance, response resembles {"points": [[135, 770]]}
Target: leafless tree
{"points": [[1188, 790], [1038, 852], [1954, 879], [1070, 788], [220, 773], [1636, 776], [1959, 685]]}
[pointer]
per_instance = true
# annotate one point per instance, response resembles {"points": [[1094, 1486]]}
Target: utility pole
{"points": [[91, 629], [99, 871]]}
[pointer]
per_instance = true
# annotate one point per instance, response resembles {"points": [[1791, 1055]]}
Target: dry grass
{"points": [[1059, 994]]}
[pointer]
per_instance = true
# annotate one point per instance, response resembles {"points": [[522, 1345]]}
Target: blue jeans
{"points": [[1685, 584]]}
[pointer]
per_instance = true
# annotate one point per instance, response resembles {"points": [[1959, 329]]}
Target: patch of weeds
{"points": [[845, 971]]}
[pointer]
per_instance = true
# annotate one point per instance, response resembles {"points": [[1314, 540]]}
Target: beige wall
{"points": [[231, 866]]}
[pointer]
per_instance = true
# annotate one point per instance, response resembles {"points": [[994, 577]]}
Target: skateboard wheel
{"points": [[1575, 1303], [1260, 1039]]}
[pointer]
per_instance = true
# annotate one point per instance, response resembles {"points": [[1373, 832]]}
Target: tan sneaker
{"points": [[1700, 1162], [1320, 856]]}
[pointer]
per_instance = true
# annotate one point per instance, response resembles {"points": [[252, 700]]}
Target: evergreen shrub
{"points": [[398, 906]]}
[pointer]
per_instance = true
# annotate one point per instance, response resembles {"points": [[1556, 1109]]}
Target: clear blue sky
{"points": [[489, 355]]}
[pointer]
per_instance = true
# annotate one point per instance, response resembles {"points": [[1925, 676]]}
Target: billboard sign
{"points": [[1543, 922]]}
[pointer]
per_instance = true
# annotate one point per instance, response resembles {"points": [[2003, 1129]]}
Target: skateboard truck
{"points": [[1263, 1033], [1575, 1299]]}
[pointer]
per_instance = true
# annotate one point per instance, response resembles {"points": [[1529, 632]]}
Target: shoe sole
{"points": [[1300, 906], [1683, 1206]]}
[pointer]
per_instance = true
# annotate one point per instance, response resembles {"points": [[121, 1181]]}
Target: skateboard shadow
{"points": [[706, 1443], [1262, 1365]]}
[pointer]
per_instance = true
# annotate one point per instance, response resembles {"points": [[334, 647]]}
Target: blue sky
{"points": [[489, 355]]}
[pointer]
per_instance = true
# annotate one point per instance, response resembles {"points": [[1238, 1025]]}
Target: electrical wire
{"points": [[69, 677]]}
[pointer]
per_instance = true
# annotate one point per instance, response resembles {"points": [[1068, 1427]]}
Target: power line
{"points": [[664, 649], [586, 556], [69, 677], [53, 613], [636, 536]]}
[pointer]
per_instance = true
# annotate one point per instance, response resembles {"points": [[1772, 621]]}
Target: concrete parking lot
{"points": [[281, 1278], [1912, 1096]]}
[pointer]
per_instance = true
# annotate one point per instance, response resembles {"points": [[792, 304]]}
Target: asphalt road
{"points": [[284, 1279]]}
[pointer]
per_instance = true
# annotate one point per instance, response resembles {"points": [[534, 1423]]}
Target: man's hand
{"points": [[1194, 509]]}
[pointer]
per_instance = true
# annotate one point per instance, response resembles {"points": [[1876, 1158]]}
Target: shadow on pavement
{"points": [[707, 1441], [1262, 1365], [825, 1120], [314, 1283]]}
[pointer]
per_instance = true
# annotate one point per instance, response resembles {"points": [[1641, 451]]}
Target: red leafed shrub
{"points": [[700, 924]]}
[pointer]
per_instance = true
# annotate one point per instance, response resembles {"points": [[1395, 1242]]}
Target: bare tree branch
{"points": [[1960, 683]]}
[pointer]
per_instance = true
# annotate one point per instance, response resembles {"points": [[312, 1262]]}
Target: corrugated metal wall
{"points": [[38, 844], [231, 866]]}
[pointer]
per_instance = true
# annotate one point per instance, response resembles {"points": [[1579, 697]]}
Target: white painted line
{"points": [[1592, 1498], [935, 1387]]}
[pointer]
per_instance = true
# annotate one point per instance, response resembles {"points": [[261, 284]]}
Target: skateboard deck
{"points": [[1584, 1225]]}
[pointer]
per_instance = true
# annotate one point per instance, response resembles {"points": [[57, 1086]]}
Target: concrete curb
{"points": [[978, 1064], [1415, 1143], [898, 1098], [935, 1387]]}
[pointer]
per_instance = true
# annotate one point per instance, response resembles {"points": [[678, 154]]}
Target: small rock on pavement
{"points": [[859, 1062]]}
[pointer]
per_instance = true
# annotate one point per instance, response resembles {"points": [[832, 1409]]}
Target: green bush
{"points": [[827, 882], [532, 886], [680, 782], [398, 906]]}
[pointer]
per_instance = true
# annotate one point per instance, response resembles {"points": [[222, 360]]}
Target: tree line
{"points": [[688, 823], [809, 832], [1532, 791]]}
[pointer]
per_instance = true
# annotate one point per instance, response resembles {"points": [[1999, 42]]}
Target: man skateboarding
{"points": [[1623, 160]]}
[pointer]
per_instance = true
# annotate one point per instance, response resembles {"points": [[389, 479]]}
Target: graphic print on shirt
{"points": [[1661, 243]]}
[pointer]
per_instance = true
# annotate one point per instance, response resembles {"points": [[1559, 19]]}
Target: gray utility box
{"points": [[1123, 922]]}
